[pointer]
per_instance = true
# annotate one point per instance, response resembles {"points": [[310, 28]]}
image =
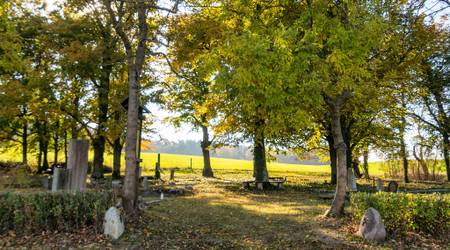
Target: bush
{"points": [[62, 211], [427, 213]]}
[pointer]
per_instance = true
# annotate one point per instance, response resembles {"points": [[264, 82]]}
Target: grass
{"points": [[184, 161], [219, 214]]}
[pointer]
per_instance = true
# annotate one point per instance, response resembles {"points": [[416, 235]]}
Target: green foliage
{"points": [[62, 211], [427, 213]]}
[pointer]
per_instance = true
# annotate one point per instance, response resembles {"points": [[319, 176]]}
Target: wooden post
{"points": [[158, 168], [191, 165], [77, 165], [172, 174]]}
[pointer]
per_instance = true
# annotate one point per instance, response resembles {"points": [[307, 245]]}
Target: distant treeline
{"points": [[191, 147]]}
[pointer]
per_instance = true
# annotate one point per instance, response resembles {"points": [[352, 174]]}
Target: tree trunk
{"points": [[65, 148], [335, 104], [403, 152], [366, 162], [135, 62], [259, 155], [39, 158], [207, 170], [117, 153], [25, 143], [445, 151], [333, 159], [421, 162], [99, 149], [103, 103], [55, 143], [45, 140]]}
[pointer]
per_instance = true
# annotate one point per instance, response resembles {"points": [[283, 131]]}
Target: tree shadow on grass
{"points": [[236, 222]]}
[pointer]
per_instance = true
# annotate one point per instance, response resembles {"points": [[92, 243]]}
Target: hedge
{"points": [[62, 211], [401, 212]]}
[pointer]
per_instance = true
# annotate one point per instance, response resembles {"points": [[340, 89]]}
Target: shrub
{"points": [[62, 211], [427, 213]]}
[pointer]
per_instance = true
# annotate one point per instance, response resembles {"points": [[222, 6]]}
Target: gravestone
{"points": [[380, 185], [351, 181], [113, 225], [392, 187], [145, 184], [371, 226], [77, 166], [117, 188], [59, 179]]}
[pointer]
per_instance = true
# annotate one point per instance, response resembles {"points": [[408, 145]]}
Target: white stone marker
{"points": [[113, 225]]}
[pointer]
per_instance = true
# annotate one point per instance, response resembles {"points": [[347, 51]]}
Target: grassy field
{"points": [[183, 161]]}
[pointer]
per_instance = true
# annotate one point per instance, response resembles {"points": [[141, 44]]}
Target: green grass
{"points": [[183, 161]]}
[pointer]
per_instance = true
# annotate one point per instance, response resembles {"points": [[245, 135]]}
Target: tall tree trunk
{"points": [[103, 103], [333, 158], [205, 144], [39, 158], [117, 153], [403, 152], [45, 142], [25, 143], [444, 124], [366, 161], [65, 147], [99, 149], [445, 151], [335, 104], [56, 143], [421, 162], [259, 154], [135, 62]]}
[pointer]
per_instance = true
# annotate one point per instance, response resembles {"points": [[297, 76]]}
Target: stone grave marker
{"points": [[371, 226], [380, 185], [77, 166], [392, 187], [113, 224]]}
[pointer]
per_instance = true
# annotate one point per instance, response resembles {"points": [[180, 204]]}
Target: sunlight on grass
{"points": [[184, 161]]}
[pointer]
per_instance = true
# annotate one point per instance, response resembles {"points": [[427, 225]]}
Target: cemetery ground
{"points": [[217, 213]]}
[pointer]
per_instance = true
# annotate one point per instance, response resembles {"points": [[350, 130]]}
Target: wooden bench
{"points": [[277, 181]]}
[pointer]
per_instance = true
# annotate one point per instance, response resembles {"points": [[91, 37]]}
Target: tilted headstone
{"points": [[113, 224], [77, 166], [371, 226], [392, 187]]}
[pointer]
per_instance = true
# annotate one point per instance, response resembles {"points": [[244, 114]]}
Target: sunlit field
{"points": [[184, 161]]}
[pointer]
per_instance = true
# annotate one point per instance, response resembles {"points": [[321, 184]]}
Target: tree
{"points": [[188, 89], [130, 21], [253, 77], [338, 52]]}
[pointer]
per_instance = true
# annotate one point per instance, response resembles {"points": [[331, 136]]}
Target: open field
{"points": [[183, 161]]}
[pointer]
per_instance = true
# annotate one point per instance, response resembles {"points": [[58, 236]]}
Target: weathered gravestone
{"points": [[351, 181], [113, 225], [59, 179], [371, 226], [392, 187], [380, 185], [77, 165]]}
